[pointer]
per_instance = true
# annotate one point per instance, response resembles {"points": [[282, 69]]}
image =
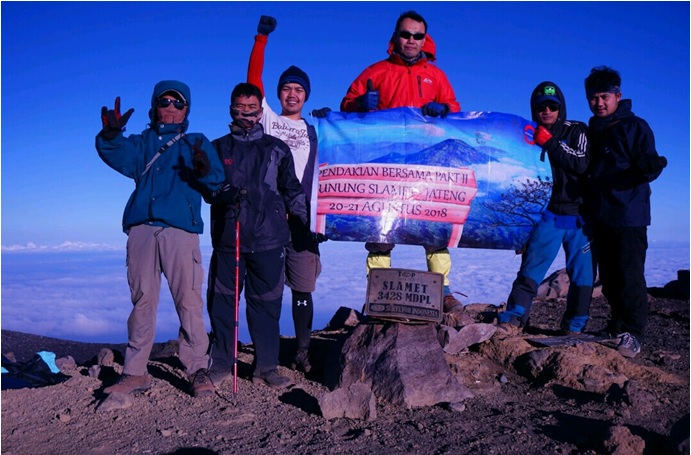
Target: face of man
{"points": [[405, 41], [604, 104], [246, 111], [547, 113], [171, 114], [292, 98]]}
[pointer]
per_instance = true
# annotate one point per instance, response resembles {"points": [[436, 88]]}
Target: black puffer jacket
{"points": [[568, 157], [624, 161], [262, 165]]}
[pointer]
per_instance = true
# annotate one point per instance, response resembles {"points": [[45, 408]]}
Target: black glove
{"points": [[318, 238], [200, 160], [370, 100], [114, 122], [229, 195], [267, 24], [321, 113], [433, 109]]}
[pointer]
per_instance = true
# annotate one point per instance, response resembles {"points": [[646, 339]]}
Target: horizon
{"points": [[89, 299]]}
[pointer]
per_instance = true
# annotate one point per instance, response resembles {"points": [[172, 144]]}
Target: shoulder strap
{"points": [[160, 152]]}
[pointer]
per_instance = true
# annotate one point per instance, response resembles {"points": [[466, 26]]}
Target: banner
{"points": [[472, 179]]}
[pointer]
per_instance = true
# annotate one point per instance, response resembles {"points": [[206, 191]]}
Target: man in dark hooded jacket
{"points": [[623, 163], [562, 224], [261, 188], [163, 221]]}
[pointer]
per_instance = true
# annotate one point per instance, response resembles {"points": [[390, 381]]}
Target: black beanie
{"points": [[294, 74]]}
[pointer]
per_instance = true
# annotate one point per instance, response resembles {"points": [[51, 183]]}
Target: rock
{"points": [[457, 340], [403, 365], [66, 364], [105, 358], [556, 286], [619, 441], [457, 317], [677, 289], [354, 402], [115, 401], [345, 317], [678, 442]]}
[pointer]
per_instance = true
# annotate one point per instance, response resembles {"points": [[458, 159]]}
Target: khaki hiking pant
{"points": [[152, 251]]}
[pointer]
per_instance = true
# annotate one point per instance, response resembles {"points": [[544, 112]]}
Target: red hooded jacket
{"points": [[403, 85]]}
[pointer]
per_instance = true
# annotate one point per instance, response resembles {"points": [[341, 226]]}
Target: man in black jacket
{"points": [[261, 187], [565, 142], [623, 162]]}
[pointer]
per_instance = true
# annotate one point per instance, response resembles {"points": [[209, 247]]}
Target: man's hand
{"points": [[433, 109], [200, 160], [229, 195], [267, 24], [370, 100], [321, 113], [542, 135], [319, 238], [114, 122]]}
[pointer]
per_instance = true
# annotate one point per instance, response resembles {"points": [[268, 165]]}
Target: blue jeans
{"points": [[541, 250]]}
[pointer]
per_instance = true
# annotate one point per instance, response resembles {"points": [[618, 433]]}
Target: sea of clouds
{"points": [[79, 291]]}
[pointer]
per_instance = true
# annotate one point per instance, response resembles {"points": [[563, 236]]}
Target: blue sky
{"points": [[62, 61]]}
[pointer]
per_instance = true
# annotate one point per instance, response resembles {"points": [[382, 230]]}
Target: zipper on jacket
{"points": [[419, 85]]}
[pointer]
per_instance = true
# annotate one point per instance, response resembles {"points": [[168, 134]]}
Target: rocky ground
{"points": [[583, 399]]}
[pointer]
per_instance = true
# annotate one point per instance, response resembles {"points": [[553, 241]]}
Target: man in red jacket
{"points": [[406, 79]]}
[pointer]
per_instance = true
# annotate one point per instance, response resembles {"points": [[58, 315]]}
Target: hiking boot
{"points": [[301, 362], [128, 383], [272, 378], [201, 384], [629, 345], [218, 377], [450, 302]]}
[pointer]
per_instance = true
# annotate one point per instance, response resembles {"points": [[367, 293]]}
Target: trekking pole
{"points": [[237, 300]]}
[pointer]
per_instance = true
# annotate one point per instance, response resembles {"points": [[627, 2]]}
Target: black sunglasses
{"points": [[552, 107], [407, 35], [165, 102]]}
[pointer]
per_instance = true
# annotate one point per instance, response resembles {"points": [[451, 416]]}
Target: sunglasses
{"points": [[407, 35], [552, 107], [165, 102]]}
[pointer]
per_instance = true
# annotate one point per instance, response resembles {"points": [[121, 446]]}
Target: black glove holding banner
{"points": [[433, 109], [267, 24], [114, 122], [200, 160], [321, 113], [319, 238]]}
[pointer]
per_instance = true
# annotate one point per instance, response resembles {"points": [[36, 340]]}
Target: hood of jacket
{"points": [[165, 86], [429, 48], [543, 89]]}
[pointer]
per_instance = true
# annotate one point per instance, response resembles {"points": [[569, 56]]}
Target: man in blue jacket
{"points": [[623, 163], [163, 221], [261, 188]]}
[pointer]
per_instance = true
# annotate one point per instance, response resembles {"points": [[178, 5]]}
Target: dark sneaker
{"points": [[129, 383], [272, 379], [450, 302], [218, 377], [301, 362], [629, 346], [201, 384]]}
